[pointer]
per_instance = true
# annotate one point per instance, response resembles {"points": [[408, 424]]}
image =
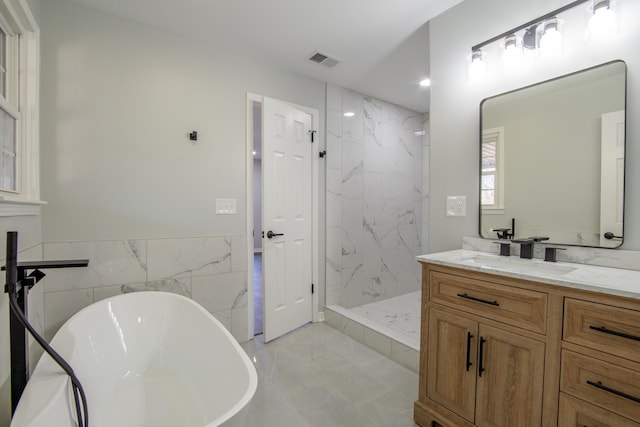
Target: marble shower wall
{"points": [[375, 198], [210, 270]]}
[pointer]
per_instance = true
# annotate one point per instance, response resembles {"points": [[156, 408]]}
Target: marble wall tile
{"points": [[105, 292], [239, 323], [224, 317], [220, 292], [189, 257], [110, 263], [334, 152], [60, 306], [352, 127], [351, 273], [239, 253], [185, 266], [353, 171], [390, 161], [352, 226], [382, 178], [333, 274], [333, 198], [175, 286]]}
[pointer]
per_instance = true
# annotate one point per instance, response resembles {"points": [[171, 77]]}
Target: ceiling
{"points": [[383, 45]]}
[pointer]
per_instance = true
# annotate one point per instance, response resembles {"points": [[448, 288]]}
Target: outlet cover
{"points": [[456, 205], [226, 207]]}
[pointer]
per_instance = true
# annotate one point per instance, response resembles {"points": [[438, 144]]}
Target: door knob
{"points": [[271, 234]]}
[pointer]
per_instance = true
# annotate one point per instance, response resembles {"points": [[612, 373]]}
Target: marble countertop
{"points": [[613, 281]]}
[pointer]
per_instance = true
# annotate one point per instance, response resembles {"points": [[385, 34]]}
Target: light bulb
{"points": [[425, 83], [512, 54], [602, 24], [477, 67], [551, 40]]}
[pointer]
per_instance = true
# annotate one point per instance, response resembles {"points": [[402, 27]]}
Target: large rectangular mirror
{"points": [[552, 159]]}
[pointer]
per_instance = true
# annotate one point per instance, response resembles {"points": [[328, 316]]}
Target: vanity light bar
{"points": [[536, 21]]}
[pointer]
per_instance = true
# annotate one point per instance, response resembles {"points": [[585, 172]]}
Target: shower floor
{"points": [[397, 318]]}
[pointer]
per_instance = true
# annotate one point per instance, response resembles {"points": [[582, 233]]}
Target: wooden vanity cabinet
{"points": [[503, 352], [475, 364]]}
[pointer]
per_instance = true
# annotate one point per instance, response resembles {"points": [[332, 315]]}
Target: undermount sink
{"points": [[518, 265]]}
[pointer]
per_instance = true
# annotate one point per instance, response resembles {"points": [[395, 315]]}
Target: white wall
{"points": [[118, 101], [34, 6], [454, 114]]}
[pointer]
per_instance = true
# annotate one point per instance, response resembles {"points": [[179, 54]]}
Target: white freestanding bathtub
{"points": [[144, 359]]}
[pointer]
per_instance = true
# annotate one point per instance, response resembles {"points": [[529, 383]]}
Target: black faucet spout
{"points": [[526, 248]]}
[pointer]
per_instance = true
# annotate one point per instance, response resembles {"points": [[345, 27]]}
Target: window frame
{"points": [[22, 103], [494, 135]]}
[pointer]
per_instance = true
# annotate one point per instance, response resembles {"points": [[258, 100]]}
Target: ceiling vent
{"points": [[323, 59]]}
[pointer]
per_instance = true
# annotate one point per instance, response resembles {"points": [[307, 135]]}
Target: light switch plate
{"points": [[456, 205], [226, 207]]}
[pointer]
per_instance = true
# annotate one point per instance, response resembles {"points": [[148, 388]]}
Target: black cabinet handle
{"points": [[484, 301], [601, 386], [271, 234], [481, 357], [469, 336], [616, 333]]}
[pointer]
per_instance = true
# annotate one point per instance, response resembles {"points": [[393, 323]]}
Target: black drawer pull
{"points": [[616, 333], [484, 301], [614, 391], [469, 336]]}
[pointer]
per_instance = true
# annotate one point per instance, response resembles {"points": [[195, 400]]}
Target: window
{"points": [[3, 63], [8, 159], [19, 156], [492, 170]]}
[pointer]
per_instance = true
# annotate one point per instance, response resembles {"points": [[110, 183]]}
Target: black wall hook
{"points": [[193, 136]]}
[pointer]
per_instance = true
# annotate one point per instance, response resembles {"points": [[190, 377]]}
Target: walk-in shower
{"points": [[376, 200]]}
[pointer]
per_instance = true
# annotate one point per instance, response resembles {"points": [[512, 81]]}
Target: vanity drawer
{"points": [[578, 413], [515, 306], [602, 327], [606, 385]]}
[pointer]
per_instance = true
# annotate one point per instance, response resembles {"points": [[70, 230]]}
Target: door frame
{"points": [[315, 206]]}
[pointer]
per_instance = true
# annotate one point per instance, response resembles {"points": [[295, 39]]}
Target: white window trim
{"points": [[496, 134], [26, 200]]}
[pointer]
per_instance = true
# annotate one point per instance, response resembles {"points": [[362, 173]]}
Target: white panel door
{"points": [[287, 218], [612, 177]]}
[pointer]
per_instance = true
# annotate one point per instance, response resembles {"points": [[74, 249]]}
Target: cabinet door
{"points": [[509, 388], [451, 379]]}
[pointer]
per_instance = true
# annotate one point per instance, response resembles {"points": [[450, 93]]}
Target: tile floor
{"points": [[317, 376], [401, 315]]}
